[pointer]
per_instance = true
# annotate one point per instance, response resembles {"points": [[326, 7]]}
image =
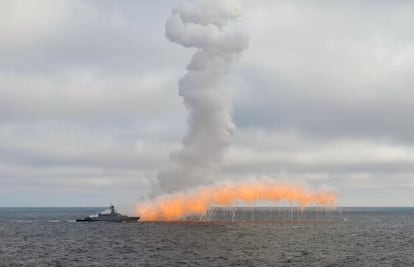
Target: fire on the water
{"points": [[196, 202]]}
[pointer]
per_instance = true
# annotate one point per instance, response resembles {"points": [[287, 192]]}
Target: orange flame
{"points": [[175, 206]]}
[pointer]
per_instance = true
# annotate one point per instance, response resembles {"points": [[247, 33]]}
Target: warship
{"points": [[111, 216]]}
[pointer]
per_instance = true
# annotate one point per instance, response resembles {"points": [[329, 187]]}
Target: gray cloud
{"points": [[332, 71], [62, 35]]}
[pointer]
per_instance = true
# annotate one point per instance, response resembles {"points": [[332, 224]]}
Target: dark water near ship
{"points": [[50, 237]]}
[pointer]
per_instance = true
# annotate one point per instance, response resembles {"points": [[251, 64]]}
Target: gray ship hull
{"points": [[113, 216]]}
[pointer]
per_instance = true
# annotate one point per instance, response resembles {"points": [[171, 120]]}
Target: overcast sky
{"points": [[89, 104]]}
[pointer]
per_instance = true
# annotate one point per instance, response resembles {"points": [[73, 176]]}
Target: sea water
{"points": [[51, 237]]}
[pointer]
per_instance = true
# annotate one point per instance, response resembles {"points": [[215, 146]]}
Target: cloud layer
{"points": [[89, 105]]}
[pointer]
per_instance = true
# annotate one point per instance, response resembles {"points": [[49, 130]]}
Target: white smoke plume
{"points": [[202, 25]]}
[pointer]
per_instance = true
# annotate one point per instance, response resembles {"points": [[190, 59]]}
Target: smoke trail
{"points": [[178, 205], [201, 25]]}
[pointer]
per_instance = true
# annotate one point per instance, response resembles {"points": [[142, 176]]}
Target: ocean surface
{"points": [[51, 237]]}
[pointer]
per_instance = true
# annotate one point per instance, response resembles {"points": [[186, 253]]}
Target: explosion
{"points": [[173, 207], [206, 26]]}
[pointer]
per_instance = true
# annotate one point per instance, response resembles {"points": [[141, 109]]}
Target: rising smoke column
{"points": [[201, 25]]}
